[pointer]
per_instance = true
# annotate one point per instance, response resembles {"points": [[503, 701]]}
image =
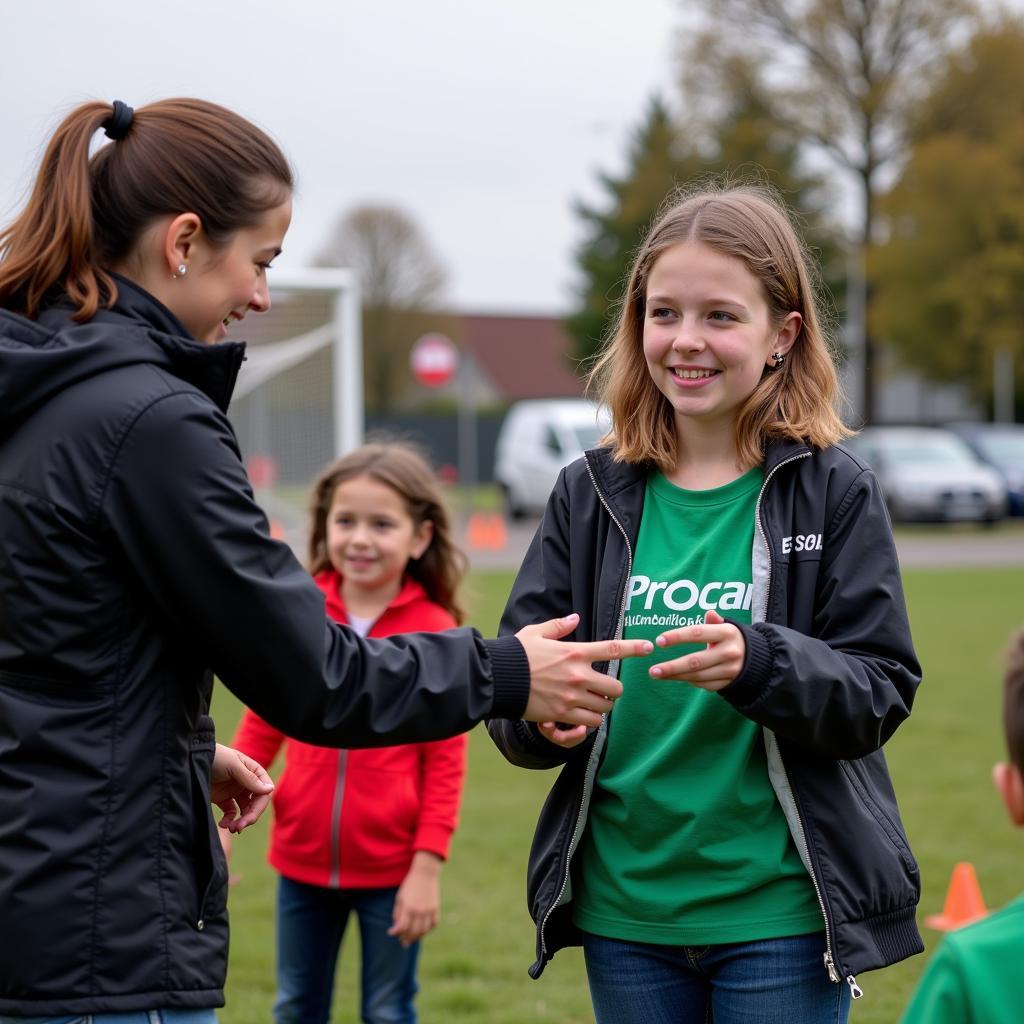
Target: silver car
{"points": [[930, 475]]}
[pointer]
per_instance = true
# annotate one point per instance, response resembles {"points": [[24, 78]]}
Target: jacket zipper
{"points": [[334, 879], [829, 956], [592, 766]]}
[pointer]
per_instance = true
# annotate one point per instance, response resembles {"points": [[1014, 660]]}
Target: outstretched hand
{"points": [[714, 667], [564, 686], [240, 787]]}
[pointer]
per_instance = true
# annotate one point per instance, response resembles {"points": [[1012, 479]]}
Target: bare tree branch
{"points": [[400, 277]]}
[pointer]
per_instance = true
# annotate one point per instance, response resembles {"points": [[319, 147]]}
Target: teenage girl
{"points": [[727, 842], [134, 564], [366, 831]]}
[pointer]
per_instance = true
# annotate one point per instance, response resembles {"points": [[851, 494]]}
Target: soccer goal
{"points": [[298, 402]]}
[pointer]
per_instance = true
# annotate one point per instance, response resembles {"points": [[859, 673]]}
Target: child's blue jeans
{"points": [[771, 981], [311, 923]]}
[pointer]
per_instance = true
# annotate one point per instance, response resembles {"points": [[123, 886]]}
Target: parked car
{"points": [[537, 438], [1000, 445], [929, 474]]}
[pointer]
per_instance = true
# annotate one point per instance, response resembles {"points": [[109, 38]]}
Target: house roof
{"points": [[524, 356]]}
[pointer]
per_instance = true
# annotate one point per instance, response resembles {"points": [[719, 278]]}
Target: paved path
{"points": [[919, 547], [1002, 546]]}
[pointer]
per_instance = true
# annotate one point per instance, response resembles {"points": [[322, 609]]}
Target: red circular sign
{"points": [[434, 360]]}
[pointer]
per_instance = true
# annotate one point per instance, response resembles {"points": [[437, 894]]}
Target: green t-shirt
{"points": [[976, 975], [686, 842]]}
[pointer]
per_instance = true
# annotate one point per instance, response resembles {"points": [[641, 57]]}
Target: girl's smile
{"points": [[693, 376]]}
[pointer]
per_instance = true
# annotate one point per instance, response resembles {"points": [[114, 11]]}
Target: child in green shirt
{"points": [[977, 975]]}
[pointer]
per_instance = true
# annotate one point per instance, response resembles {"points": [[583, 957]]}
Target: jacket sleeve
{"points": [[259, 739], [443, 768], [842, 691], [178, 507], [541, 591]]}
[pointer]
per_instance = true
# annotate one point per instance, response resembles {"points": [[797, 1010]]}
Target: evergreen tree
{"points": [[615, 229]]}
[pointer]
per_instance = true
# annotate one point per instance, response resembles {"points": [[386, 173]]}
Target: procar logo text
{"points": [[682, 595]]}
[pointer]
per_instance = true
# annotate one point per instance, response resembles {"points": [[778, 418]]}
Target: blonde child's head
{"points": [[797, 400], [399, 466]]}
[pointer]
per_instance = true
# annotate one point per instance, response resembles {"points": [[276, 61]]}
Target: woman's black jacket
{"points": [[133, 565], [830, 672]]}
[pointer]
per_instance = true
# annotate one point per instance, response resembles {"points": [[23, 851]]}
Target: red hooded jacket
{"points": [[354, 818]]}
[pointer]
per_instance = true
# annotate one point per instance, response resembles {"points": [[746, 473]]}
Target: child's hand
{"points": [[710, 669], [563, 735], [418, 901]]}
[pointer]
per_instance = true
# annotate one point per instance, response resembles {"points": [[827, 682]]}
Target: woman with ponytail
{"points": [[134, 564]]}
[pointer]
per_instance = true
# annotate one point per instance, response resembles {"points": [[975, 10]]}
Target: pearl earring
{"points": [[181, 271]]}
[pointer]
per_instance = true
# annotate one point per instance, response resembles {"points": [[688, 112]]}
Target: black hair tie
{"points": [[116, 126]]}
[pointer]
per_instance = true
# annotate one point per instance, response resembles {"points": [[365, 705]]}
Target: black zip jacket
{"points": [[830, 672], [133, 561]]}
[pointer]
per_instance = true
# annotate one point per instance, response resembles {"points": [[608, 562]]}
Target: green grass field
{"points": [[473, 968]]}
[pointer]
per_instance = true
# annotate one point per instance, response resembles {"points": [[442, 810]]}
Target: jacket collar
{"points": [[329, 581], [621, 485], [143, 329]]}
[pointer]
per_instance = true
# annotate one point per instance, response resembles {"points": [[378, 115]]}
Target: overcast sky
{"points": [[483, 120]]}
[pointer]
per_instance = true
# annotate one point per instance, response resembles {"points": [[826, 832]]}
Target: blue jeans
{"points": [[311, 923], [135, 1017], [771, 981]]}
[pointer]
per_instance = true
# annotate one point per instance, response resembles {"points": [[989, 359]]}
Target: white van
{"points": [[537, 438]]}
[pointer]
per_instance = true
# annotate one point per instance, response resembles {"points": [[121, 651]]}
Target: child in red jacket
{"points": [[366, 830]]}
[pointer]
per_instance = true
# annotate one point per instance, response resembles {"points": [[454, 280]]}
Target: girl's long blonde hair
{"points": [[401, 467], [796, 401]]}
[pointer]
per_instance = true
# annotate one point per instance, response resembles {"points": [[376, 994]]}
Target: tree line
{"points": [[895, 130], [914, 108]]}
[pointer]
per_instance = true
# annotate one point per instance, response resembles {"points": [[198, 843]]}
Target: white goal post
{"points": [[342, 284], [298, 401]]}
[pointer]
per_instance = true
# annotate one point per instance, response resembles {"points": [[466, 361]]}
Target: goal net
{"points": [[298, 402]]}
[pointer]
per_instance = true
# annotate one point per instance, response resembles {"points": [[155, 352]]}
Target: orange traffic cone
{"points": [[499, 535], [963, 900], [486, 532]]}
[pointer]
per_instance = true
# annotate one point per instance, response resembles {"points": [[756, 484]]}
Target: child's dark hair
{"points": [[85, 215], [397, 465], [1013, 701]]}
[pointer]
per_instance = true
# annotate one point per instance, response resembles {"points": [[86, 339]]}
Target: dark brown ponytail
{"points": [[85, 215]]}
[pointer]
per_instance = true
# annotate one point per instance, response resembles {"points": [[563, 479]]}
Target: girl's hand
{"points": [[563, 735], [418, 901], [240, 787], [710, 669]]}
